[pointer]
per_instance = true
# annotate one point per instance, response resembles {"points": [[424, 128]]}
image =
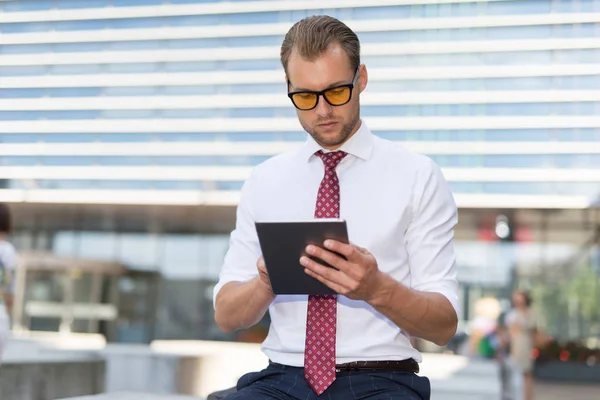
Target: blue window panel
{"points": [[189, 90], [62, 184], [53, 115], [21, 93], [520, 32], [190, 66], [252, 41], [194, 20], [382, 37], [69, 138], [25, 27], [586, 56], [233, 185], [28, 70], [519, 7], [137, 23], [194, 43], [240, 65], [578, 161], [261, 112], [233, 136], [66, 160], [529, 83], [25, 48], [589, 56], [192, 1], [190, 137], [255, 88], [128, 114], [123, 160], [72, 4], [518, 161], [19, 138], [200, 113], [125, 137], [75, 69], [518, 58], [136, 45], [589, 82], [73, 92], [390, 12], [252, 18], [17, 115], [178, 185], [78, 47], [85, 25], [585, 135], [584, 6], [208, 160], [29, 5], [513, 135], [131, 91], [130, 3], [120, 185], [18, 160], [132, 68]]}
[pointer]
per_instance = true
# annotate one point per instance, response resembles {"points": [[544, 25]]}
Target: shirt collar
{"points": [[359, 145]]}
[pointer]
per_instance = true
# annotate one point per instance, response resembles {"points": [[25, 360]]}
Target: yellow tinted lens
{"points": [[305, 100], [338, 95]]}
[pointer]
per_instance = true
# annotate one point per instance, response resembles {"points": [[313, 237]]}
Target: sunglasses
{"points": [[336, 96]]}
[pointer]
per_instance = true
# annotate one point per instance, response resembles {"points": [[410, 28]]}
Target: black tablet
{"points": [[282, 245]]}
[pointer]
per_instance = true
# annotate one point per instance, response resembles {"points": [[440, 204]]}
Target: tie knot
{"points": [[332, 159]]}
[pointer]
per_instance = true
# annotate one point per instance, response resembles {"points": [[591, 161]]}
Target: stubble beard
{"points": [[337, 140]]}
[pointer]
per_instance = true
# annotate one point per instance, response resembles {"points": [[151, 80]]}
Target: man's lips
{"points": [[328, 124]]}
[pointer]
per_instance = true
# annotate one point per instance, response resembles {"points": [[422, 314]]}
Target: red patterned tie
{"points": [[319, 352]]}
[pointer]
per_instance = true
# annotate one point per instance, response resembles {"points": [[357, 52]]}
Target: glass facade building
{"points": [[160, 104]]}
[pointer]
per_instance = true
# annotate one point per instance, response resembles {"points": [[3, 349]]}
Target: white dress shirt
{"points": [[396, 204]]}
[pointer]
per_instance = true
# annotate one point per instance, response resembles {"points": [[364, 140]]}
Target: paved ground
{"points": [[462, 378], [547, 391]]}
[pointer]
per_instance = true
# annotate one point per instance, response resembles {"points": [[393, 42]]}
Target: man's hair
{"points": [[526, 297], [5, 219], [311, 37]]}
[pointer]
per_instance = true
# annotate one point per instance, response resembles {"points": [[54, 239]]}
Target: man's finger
{"points": [[330, 284], [349, 251], [330, 258], [330, 274]]}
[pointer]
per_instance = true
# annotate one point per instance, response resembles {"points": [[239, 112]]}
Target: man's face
{"points": [[330, 126]]}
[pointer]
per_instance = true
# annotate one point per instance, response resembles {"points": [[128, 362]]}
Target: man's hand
{"points": [[263, 275], [357, 277]]}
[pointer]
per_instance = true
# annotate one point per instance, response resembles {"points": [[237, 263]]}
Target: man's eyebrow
{"points": [[334, 84]]}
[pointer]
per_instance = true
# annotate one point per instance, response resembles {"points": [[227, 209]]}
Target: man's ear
{"points": [[363, 77]]}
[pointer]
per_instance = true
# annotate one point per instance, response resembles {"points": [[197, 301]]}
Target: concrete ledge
{"points": [[49, 378]]}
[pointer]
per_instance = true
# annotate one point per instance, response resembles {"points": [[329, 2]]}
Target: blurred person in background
{"points": [[8, 264], [521, 325], [502, 354], [402, 283]]}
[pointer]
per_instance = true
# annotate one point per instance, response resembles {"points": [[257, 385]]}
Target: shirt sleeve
{"points": [[429, 237], [8, 261], [244, 250], [8, 257]]}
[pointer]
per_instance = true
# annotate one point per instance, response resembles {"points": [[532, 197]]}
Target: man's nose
{"points": [[323, 108]]}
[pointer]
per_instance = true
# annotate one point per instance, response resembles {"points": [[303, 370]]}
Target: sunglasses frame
{"points": [[322, 93]]}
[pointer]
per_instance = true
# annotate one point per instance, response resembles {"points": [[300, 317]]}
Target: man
{"points": [[399, 279]]}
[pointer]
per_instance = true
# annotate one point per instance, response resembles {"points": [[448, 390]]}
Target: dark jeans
{"points": [[279, 382]]}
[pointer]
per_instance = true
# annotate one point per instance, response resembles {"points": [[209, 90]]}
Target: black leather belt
{"points": [[408, 365]]}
